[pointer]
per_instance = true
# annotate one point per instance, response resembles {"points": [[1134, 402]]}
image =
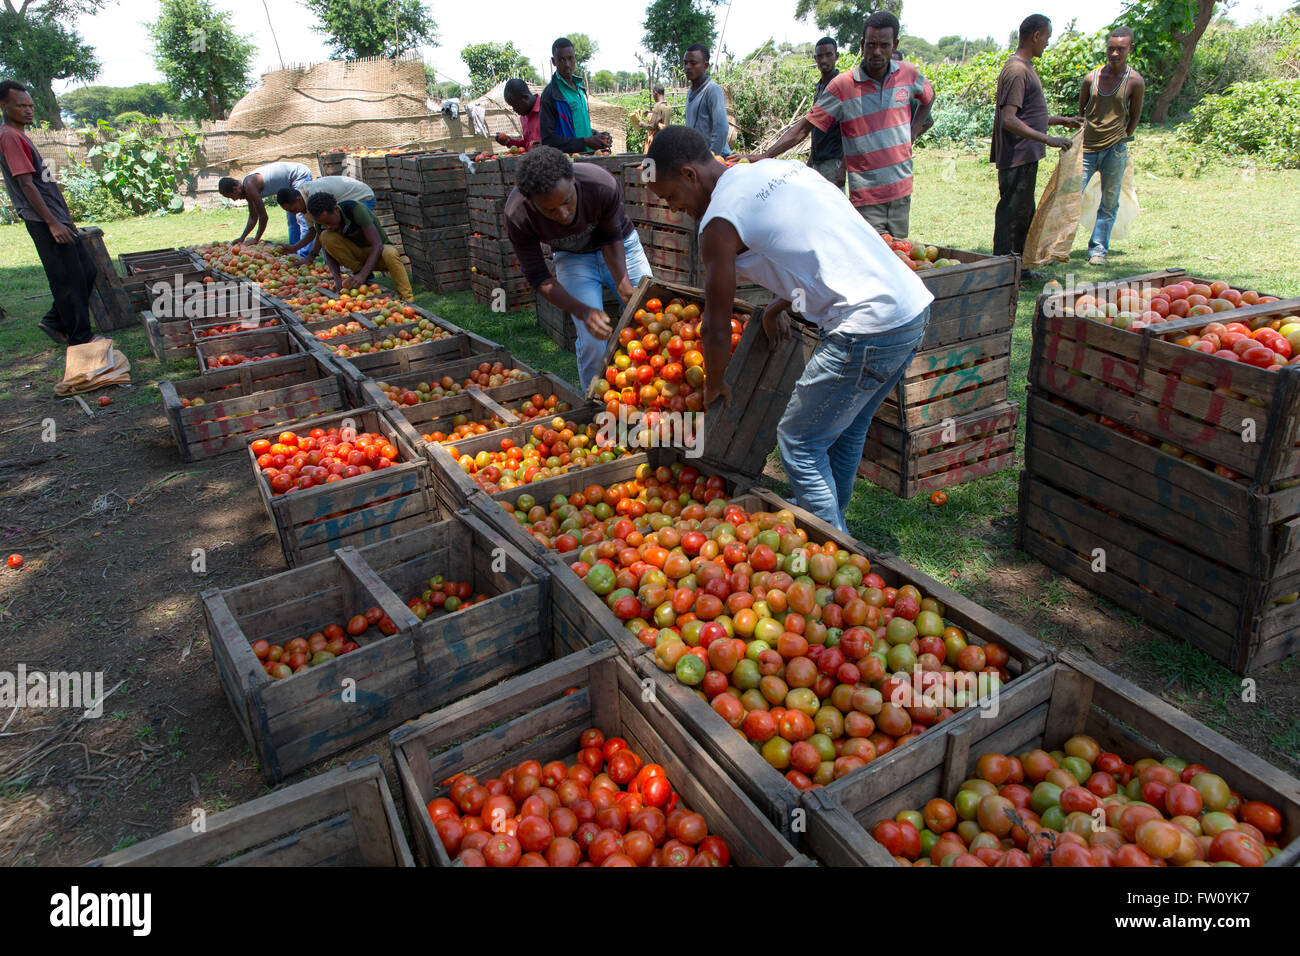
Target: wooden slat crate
{"points": [[153, 260], [312, 522], [378, 365], [1041, 710], [247, 402], [441, 211], [344, 817], [110, 306], [950, 380], [434, 245], [738, 436], [330, 162], [458, 368], [322, 711], [486, 215], [144, 289], [172, 337], [612, 163], [546, 384], [765, 785], [493, 256], [371, 170], [251, 344], [1205, 558], [416, 421], [454, 486], [427, 173], [540, 716], [518, 293], [918, 461], [643, 206], [1200, 403]]}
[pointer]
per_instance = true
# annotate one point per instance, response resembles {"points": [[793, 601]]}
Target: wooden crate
{"points": [[946, 381], [252, 344], [643, 206], [384, 362], [486, 215], [442, 211], [766, 786], [1200, 403], [415, 421], [110, 306], [344, 817], [458, 368], [376, 506], [1042, 710], [488, 290], [247, 402], [330, 162], [152, 260], [327, 709], [145, 289], [911, 462], [371, 170], [172, 337], [558, 324], [540, 717], [513, 396], [1200, 556], [453, 486], [738, 436]]}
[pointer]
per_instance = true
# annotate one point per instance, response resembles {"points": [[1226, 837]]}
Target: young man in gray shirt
{"points": [[706, 106]]}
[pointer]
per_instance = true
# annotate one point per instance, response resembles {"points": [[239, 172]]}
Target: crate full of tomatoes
{"points": [[492, 780]]}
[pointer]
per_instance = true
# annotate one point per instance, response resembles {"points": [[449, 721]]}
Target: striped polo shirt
{"points": [[876, 127]]}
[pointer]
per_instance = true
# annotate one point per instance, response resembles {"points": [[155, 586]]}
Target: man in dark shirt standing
{"points": [[1020, 137], [576, 209], [827, 156], [38, 202]]}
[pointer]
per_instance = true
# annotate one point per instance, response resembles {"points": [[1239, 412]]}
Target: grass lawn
{"points": [[1199, 223]]}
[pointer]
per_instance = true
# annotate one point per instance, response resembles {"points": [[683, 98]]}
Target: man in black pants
{"points": [[1020, 137], [37, 200]]}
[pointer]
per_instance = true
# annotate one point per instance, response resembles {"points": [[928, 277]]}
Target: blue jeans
{"points": [[824, 428], [583, 274], [1111, 162]]}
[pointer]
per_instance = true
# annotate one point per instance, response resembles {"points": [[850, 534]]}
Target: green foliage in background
{"points": [[1257, 120], [145, 172]]}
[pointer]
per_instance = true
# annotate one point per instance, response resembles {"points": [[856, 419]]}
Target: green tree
{"points": [[490, 63], [1165, 34], [602, 81], [38, 52], [584, 47], [387, 28], [843, 19], [673, 25], [204, 61], [919, 50], [90, 104]]}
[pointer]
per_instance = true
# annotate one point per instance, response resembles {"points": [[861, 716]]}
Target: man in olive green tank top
{"points": [[1110, 103]]}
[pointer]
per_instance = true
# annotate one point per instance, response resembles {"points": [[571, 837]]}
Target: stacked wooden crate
{"points": [[949, 420], [494, 267], [1166, 479], [428, 200], [668, 237], [330, 162]]}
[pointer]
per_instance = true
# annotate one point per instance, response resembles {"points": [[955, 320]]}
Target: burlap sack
{"points": [[1052, 232], [91, 366]]}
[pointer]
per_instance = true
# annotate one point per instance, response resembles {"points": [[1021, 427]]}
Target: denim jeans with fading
{"points": [[824, 428], [1111, 163], [583, 274]]}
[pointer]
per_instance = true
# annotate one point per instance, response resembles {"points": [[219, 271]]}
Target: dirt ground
{"points": [[108, 520]]}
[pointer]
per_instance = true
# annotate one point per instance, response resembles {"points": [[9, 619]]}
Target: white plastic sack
{"points": [[1128, 210]]}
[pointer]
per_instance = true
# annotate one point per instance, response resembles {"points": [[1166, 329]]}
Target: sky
{"points": [[123, 46]]}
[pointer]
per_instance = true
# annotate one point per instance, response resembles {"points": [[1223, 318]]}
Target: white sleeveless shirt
{"points": [[803, 235]]}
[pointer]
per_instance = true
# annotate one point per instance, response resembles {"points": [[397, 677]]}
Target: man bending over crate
{"points": [[782, 225], [261, 184], [352, 237], [576, 209], [295, 201]]}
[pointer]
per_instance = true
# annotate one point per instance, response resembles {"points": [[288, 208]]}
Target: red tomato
{"points": [[502, 850]]}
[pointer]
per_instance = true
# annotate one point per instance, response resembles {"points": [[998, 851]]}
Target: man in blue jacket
{"points": [[566, 123], [706, 105]]}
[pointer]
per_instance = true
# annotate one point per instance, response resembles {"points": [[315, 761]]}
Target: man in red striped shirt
{"points": [[882, 106]]}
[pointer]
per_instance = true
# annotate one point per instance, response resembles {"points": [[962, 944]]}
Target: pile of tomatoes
{"points": [[236, 358], [1265, 347], [539, 405], [486, 375], [343, 328], [1082, 806], [798, 646], [279, 273], [917, 255], [551, 449], [608, 809], [444, 595], [243, 325], [322, 457], [462, 427], [295, 656], [659, 364]]}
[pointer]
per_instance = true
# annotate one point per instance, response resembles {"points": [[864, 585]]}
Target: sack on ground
{"points": [[93, 365]]}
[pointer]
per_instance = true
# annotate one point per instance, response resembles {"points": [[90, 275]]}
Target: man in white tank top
{"points": [[782, 225], [1110, 102]]}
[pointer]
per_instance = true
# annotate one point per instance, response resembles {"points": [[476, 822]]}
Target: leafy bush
{"points": [[959, 123], [87, 196], [143, 171], [129, 118], [1265, 50], [1259, 120], [766, 94]]}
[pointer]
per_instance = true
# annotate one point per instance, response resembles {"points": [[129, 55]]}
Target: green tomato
{"points": [[690, 670], [967, 803], [929, 624], [824, 746], [754, 700], [1078, 768], [664, 615], [600, 579], [1045, 796], [928, 839], [901, 657], [1054, 818], [833, 635], [777, 752], [691, 632], [768, 630], [746, 675], [900, 630], [913, 817], [665, 635], [754, 648]]}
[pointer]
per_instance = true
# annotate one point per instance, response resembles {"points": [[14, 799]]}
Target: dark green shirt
{"points": [[355, 218]]}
